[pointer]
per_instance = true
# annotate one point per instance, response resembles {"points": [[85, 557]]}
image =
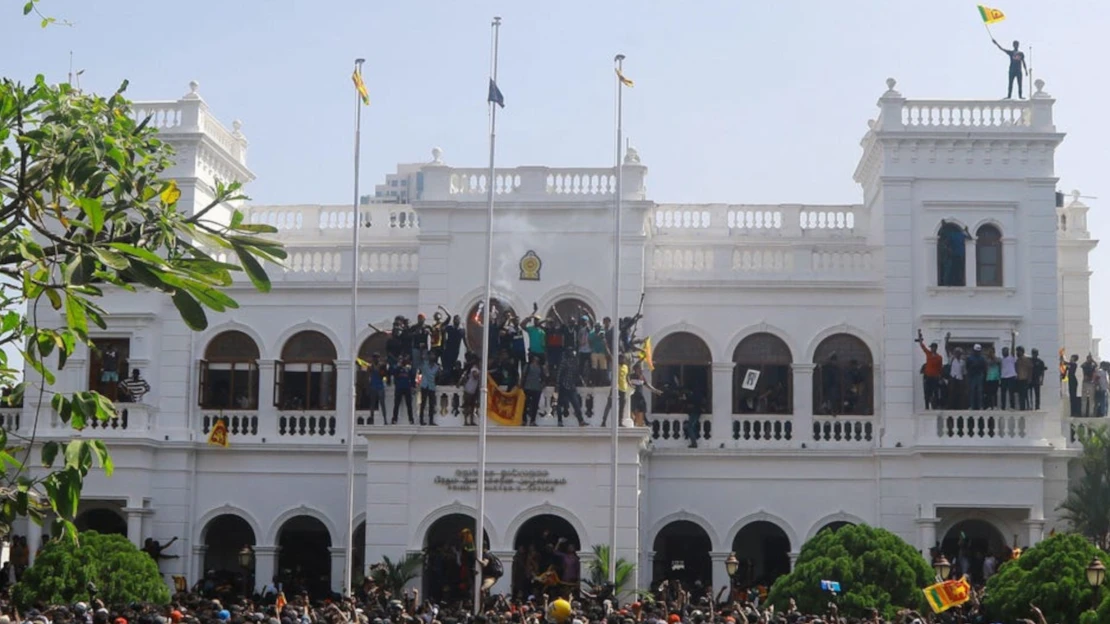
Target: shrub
{"points": [[63, 570], [876, 569], [1051, 575]]}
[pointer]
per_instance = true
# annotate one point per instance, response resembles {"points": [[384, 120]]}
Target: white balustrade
{"points": [[697, 260], [843, 430], [989, 427], [335, 222], [389, 261], [782, 221], [755, 219], [747, 260], [834, 261], [967, 114], [163, 115], [313, 261]]}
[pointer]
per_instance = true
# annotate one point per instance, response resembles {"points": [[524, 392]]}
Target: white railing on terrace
{"points": [[740, 260], [1032, 115], [547, 184], [310, 223], [982, 427], [387, 264], [785, 221], [766, 431], [190, 115]]}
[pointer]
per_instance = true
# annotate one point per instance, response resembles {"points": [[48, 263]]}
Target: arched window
{"points": [[571, 307], [951, 254], [761, 377], [304, 378], [683, 370], [228, 376], [843, 380], [474, 321], [375, 345], [988, 256]]}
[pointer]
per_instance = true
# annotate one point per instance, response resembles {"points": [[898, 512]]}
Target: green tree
{"points": [[598, 569], [120, 572], [876, 569], [84, 212], [1087, 507], [1051, 575], [394, 576]]}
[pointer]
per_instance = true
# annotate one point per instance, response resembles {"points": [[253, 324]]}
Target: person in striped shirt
{"points": [[133, 388]]}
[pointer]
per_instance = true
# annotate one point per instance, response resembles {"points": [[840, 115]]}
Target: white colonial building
{"points": [[727, 288]]}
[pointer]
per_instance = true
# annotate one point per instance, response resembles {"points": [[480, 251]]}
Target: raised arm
{"points": [[999, 46]]}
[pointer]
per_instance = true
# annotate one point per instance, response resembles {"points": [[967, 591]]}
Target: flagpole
{"points": [[356, 226], [483, 403], [614, 397]]}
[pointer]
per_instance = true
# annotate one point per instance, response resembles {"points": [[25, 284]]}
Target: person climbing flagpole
{"points": [[495, 100], [614, 339], [363, 99]]}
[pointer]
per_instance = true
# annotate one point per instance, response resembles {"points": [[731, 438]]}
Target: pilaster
{"points": [[265, 565], [722, 401], [803, 399]]}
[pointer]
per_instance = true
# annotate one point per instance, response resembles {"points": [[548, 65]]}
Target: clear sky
{"points": [[735, 101]]}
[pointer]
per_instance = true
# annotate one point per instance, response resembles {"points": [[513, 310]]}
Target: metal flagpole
{"points": [[483, 403], [349, 555], [614, 397]]}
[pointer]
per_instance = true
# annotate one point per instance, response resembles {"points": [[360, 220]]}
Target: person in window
{"points": [[109, 370], [856, 381], [1017, 67], [934, 367], [133, 389], [694, 399], [401, 376], [952, 248]]}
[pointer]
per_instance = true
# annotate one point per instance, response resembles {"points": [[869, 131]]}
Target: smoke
{"points": [[514, 235]]}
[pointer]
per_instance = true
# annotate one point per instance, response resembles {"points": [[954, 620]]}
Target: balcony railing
{"points": [[765, 431], [781, 222], [989, 427]]}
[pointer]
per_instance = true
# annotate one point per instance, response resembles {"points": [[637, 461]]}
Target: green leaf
{"points": [[75, 316], [102, 456], [27, 8], [190, 311], [254, 270], [94, 211], [138, 252], [54, 297], [49, 452]]}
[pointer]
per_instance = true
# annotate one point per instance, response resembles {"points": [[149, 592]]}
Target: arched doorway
{"points": [[224, 538], [843, 377], [683, 370], [762, 379], [474, 321], [446, 577], [546, 543], [104, 521], [569, 308], [763, 549], [834, 526], [967, 544], [682, 555], [304, 556]]}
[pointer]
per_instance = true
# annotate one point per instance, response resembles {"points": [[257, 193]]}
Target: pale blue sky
{"points": [[735, 101]]}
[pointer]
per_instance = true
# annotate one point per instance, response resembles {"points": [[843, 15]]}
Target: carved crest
{"points": [[530, 265]]}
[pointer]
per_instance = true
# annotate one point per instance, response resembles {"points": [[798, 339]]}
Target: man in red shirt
{"points": [[932, 371]]}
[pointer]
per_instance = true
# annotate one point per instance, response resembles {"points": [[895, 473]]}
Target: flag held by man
{"points": [[991, 16], [504, 407], [945, 595]]}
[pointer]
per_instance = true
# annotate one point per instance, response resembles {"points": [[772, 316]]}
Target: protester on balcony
{"points": [[567, 381], [471, 384], [517, 341], [375, 395], [1089, 366], [957, 379], [555, 341], [537, 337], [395, 345], [932, 371], [436, 333], [1017, 68], [1070, 368], [694, 399], [428, 374], [994, 376], [1009, 378], [133, 388], [401, 377], [1039, 369], [976, 375], [504, 371], [531, 382], [622, 392], [1024, 367], [599, 355], [1101, 376], [417, 337], [453, 336], [638, 381]]}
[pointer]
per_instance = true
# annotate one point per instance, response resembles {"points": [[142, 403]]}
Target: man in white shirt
{"points": [[957, 391], [1009, 378]]}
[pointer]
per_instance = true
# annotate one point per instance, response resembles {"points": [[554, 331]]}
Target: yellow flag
{"points": [[990, 16], [360, 85], [171, 194], [504, 408], [648, 357], [624, 80], [218, 436]]}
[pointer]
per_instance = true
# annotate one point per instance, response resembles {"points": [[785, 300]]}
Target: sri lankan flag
{"points": [[991, 16], [943, 596], [218, 436], [360, 86], [504, 408]]}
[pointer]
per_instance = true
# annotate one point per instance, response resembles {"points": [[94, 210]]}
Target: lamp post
{"points": [[731, 566], [942, 567], [1096, 575]]}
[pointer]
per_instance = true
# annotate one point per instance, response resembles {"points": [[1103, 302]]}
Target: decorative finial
{"points": [[1075, 194], [193, 86], [871, 124], [1039, 83], [437, 156], [236, 126], [631, 156], [890, 83]]}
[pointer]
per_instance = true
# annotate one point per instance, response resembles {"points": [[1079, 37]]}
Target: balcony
{"points": [[995, 428], [766, 432], [132, 420], [548, 185]]}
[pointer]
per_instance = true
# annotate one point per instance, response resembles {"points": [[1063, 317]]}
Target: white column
{"points": [[266, 388], [927, 536], [1036, 531], [504, 584], [722, 403], [135, 524], [720, 573], [337, 567], [803, 401], [265, 564], [969, 263], [793, 558], [1010, 264], [34, 538], [198, 564]]}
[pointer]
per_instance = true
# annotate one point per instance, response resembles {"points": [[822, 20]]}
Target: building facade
{"points": [[959, 233]]}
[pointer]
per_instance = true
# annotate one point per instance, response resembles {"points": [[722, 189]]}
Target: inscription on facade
{"points": [[502, 481]]}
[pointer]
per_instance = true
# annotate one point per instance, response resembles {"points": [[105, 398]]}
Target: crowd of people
{"points": [[530, 353], [978, 378]]}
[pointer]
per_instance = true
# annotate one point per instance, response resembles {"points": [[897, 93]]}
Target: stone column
{"points": [[970, 258], [803, 401], [198, 564], [720, 573], [1035, 527], [927, 536], [135, 524], [793, 559], [34, 538], [265, 565], [722, 403], [338, 556]]}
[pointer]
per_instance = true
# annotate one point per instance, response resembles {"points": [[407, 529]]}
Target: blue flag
{"points": [[495, 94]]}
